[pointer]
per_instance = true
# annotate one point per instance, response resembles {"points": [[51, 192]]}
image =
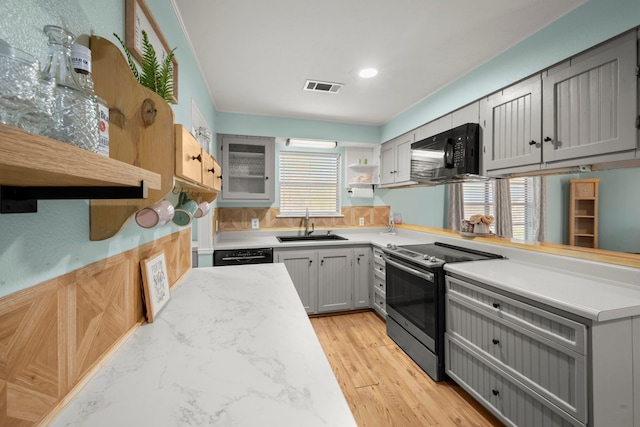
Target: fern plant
{"points": [[153, 75]]}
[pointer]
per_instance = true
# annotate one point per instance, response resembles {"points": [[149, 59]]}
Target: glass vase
{"points": [[75, 118]]}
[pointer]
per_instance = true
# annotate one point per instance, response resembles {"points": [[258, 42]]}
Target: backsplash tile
{"points": [[239, 219]]}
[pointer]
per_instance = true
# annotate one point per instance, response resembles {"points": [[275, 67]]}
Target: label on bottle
{"points": [[103, 128], [81, 58]]}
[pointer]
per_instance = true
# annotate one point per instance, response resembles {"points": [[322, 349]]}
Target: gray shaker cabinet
{"points": [[329, 280], [512, 121], [589, 103], [335, 280], [303, 269], [362, 277], [395, 161], [527, 365]]}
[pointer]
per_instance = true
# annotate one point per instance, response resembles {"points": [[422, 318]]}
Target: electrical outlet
{"points": [[361, 222], [255, 223]]}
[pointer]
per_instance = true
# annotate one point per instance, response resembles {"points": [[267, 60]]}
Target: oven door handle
{"points": [[425, 275]]}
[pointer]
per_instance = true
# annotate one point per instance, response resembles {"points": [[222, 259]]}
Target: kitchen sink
{"points": [[311, 237]]}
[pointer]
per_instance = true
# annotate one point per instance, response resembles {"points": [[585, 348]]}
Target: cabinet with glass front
{"points": [[248, 168]]}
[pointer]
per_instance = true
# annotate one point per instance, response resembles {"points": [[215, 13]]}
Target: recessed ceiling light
{"points": [[367, 73]]}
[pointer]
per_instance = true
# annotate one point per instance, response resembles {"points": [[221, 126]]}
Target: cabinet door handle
{"points": [[310, 261], [495, 341], [532, 142], [496, 305], [495, 392], [198, 158], [211, 170], [321, 262], [547, 139]]}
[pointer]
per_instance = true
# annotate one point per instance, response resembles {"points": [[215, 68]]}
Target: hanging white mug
{"points": [[203, 209], [155, 215]]}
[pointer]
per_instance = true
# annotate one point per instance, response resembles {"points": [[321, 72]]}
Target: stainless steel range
{"points": [[415, 299]]}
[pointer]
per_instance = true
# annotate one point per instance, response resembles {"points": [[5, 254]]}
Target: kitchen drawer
{"points": [[554, 371], [560, 330], [380, 285], [378, 255], [379, 303], [379, 270], [509, 400]]}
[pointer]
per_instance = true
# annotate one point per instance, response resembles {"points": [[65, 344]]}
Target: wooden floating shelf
{"points": [[29, 160]]}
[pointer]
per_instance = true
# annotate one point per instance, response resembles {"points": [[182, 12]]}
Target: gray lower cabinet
{"points": [[529, 366], [329, 280], [303, 268], [362, 277], [335, 280], [379, 285]]}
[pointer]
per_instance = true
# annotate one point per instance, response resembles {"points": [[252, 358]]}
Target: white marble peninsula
{"points": [[233, 347]]}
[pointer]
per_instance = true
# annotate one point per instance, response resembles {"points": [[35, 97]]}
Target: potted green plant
{"points": [[153, 75]]}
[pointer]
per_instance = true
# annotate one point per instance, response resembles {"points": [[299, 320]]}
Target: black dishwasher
{"points": [[242, 256]]}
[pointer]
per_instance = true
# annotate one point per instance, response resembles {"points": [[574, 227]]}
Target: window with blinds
{"points": [[478, 200], [309, 181]]}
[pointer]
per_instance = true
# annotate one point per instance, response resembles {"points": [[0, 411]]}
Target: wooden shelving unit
{"points": [[583, 212], [141, 133]]}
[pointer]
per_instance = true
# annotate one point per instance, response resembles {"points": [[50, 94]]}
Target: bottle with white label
{"points": [[81, 60]]}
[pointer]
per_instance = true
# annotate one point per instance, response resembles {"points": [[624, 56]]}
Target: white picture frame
{"points": [[155, 283]]}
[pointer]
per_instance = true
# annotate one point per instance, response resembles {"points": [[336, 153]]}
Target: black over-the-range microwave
{"points": [[450, 156]]}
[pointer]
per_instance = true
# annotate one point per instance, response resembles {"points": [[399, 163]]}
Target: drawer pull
{"points": [[496, 305], [495, 392], [495, 341]]}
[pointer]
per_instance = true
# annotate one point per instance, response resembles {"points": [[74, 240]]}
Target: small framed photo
{"points": [[155, 284]]}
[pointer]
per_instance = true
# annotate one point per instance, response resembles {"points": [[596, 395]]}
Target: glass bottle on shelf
{"points": [[81, 60], [76, 111]]}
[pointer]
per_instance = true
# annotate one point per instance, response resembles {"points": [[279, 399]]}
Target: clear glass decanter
{"points": [[76, 111]]}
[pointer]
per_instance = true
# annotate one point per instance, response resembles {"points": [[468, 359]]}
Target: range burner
{"points": [[437, 254]]}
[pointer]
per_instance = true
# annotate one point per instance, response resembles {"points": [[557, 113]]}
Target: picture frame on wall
{"points": [[138, 17], [155, 283]]}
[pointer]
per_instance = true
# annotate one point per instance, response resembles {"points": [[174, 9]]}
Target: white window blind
{"points": [[309, 181], [522, 208], [478, 199]]}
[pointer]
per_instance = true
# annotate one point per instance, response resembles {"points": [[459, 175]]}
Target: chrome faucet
{"points": [[306, 224]]}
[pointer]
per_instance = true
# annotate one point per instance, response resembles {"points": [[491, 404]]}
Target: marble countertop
{"points": [[232, 347], [592, 298]]}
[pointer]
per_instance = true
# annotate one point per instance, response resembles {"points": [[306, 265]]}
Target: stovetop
{"points": [[437, 254]]}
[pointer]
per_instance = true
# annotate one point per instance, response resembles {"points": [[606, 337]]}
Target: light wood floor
{"points": [[383, 386]]}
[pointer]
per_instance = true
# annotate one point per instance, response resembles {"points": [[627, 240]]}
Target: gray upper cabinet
{"points": [[395, 161], [248, 171], [512, 122], [589, 104]]}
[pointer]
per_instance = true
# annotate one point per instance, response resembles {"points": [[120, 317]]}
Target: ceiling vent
{"points": [[317, 86]]}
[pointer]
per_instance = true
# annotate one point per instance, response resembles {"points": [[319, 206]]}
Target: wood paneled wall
{"points": [[54, 333], [236, 219]]}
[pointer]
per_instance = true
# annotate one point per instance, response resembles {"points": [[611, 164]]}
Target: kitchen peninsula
{"points": [[233, 346]]}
